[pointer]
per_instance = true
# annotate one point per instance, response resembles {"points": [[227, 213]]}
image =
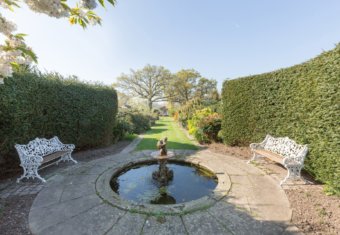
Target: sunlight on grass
{"points": [[166, 127]]}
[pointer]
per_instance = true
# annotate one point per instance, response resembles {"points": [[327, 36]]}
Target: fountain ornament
{"points": [[163, 175]]}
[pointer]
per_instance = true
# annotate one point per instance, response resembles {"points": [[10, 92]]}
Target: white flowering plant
{"points": [[14, 52]]}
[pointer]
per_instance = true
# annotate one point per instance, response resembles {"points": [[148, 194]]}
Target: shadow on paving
{"points": [[227, 218]]}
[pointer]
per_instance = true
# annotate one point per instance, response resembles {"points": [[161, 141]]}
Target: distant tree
{"points": [[188, 84], [148, 83], [182, 87], [123, 99], [206, 89]]}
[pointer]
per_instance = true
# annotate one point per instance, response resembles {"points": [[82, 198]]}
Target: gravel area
{"points": [[14, 214], [313, 211]]}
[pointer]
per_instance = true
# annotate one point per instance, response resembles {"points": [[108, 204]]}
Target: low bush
{"points": [[205, 125], [130, 121], [187, 111]]}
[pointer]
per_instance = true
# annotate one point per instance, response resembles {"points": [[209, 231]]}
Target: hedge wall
{"points": [[46, 105], [302, 102]]}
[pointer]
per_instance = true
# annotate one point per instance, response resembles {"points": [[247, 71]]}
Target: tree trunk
{"points": [[150, 104]]}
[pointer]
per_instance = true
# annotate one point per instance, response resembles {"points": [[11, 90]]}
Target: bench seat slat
{"points": [[53, 156], [272, 156]]}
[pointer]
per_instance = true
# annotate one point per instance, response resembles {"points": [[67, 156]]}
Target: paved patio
{"points": [[78, 200]]}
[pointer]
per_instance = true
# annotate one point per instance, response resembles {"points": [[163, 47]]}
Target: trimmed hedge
{"points": [[302, 102], [33, 105]]}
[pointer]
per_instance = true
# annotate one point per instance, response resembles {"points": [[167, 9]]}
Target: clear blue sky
{"points": [[221, 39]]}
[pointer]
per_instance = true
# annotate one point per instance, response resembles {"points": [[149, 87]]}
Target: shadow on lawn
{"points": [[150, 143], [156, 131], [158, 124]]}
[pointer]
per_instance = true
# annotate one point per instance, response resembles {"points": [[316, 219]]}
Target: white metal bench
{"points": [[284, 151], [40, 151]]}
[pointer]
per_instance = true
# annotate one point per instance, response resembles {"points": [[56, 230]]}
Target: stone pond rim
{"points": [[105, 192]]}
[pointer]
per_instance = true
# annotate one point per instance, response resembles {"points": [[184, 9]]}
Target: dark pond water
{"points": [[189, 183]]}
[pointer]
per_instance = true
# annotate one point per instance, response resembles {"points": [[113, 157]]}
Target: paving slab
{"points": [[165, 225], [73, 191], [129, 224], [239, 221], [202, 223], [100, 218], [78, 200], [42, 218]]}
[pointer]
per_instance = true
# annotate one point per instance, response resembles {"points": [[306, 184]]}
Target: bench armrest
{"points": [[290, 161], [65, 147], [298, 159], [302, 155], [26, 160], [256, 146], [259, 145]]}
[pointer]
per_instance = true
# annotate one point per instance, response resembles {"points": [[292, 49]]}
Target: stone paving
{"points": [[78, 200], [10, 188]]}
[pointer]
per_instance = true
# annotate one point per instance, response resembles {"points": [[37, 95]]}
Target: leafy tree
{"points": [[182, 87], [206, 89], [148, 83], [188, 84]]}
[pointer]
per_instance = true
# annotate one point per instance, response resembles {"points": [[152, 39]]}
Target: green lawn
{"points": [[166, 127]]}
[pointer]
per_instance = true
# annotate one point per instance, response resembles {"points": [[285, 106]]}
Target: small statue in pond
{"points": [[161, 145]]}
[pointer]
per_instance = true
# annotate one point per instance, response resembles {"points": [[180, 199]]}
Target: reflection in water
{"points": [[163, 199], [189, 183]]}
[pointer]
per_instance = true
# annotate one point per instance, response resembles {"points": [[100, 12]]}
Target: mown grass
{"points": [[130, 137], [166, 127]]}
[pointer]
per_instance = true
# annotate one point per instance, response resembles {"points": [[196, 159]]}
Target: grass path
{"points": [[166, 127]]}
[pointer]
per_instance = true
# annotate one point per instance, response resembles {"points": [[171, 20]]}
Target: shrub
{"points": [[33, 105], [205, 125], [302, 102], [187, 111], [132, 122]]}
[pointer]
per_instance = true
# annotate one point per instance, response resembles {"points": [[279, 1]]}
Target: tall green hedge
{"points": [[301, 102], [33, 105]]}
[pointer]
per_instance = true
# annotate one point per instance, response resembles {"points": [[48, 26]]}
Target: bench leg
{"points": [[66, 157], [255, 156], [294, 172], [31, 171]]}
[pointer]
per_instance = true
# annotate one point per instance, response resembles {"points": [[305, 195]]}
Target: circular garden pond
{"points": [[189, 182]]}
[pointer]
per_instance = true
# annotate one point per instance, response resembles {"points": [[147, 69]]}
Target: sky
{"points": [[222, 39]]}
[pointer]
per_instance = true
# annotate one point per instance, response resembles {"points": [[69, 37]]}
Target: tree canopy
{"points": [[155, 84], [188, 84], [148, 83]]}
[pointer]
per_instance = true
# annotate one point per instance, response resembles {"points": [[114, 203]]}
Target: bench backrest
{"points": [[285, 147], [39, 147]]}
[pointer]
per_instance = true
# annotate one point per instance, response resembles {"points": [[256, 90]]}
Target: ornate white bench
{"points": [[284, 151], [40, 151]]}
